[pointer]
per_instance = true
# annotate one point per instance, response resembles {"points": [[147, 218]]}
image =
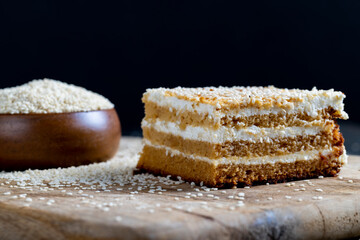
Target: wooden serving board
{"points": [[269, 211]]}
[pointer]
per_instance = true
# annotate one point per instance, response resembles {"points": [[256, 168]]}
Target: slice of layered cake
{"points": [[242, 135]]}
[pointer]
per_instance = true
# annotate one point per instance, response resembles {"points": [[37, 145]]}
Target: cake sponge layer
{"points": [[277, 146], [266, 119], [159, 161]]}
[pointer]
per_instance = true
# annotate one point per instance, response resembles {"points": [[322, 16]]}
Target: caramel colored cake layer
{"points": [[242, 135], [161, 162], [241, 148], [154, 111]]}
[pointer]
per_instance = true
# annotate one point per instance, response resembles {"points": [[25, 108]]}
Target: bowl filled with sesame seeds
{"points": [[47, 123]]}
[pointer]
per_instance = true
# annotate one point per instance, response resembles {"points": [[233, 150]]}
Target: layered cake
{"points": [[229, 136]]}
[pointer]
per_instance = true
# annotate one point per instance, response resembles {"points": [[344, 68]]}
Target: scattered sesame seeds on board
{"points": [[110, 192]]}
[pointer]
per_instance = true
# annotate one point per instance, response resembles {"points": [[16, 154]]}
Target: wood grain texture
{"points": [[145, 215]]}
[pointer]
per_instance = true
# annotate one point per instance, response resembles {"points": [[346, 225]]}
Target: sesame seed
{"points": [[288, 197], [317, 197], [7, 193], [350, 181], [318, 190]]}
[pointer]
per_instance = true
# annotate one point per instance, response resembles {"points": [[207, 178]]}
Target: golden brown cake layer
{"points": [[241, 148], [154, 111], [158, 161]]}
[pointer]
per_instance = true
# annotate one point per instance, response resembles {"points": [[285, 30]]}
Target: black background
{"points": [[119, 49]]}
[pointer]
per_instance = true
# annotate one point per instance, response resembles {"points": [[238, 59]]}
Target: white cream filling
{"points": [[310, 106], [288, 158], [224, 134], [343, 158]]}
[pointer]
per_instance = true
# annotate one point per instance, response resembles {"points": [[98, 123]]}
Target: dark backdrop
{"points": [[120, 49]]}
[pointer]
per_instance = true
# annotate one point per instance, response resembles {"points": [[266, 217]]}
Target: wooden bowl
{"points": [[39, 141]]}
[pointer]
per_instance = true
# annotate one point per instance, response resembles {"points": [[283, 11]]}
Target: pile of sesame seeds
{"points": [[50, 96]]}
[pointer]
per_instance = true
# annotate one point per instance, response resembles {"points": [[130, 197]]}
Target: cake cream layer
{"points": [[159, 160], [246, 101], [226, 134], [287, 158], [263, 118]]}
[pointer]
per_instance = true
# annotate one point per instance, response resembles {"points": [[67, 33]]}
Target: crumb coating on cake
{"points": [[240, 98]]}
